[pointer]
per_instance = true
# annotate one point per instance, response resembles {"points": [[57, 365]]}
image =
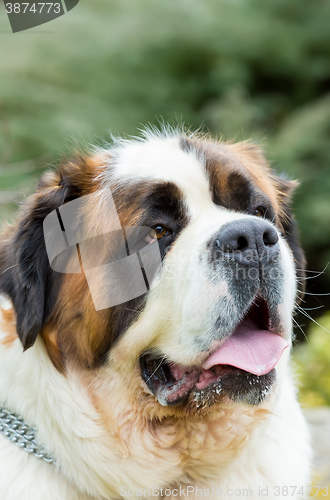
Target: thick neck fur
{"points": [[98, 453]]}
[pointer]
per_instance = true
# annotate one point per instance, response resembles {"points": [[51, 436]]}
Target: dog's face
{"points": [[214, 325]]}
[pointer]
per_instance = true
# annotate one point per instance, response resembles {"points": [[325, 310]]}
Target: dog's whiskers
{"points": [[310, 318], [134, 310], [158, 366], [312, 308], [318, 273], [92, 382], [3, 272], [300, 328]]}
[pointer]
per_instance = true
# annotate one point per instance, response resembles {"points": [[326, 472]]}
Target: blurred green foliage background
{"points": [[238, 68], [313, 362]]}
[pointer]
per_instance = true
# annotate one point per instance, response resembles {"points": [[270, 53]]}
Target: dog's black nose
{"points": [[247, 241]]}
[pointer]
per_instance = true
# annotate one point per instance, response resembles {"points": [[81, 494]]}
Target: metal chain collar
{"points": [[17, 431]]}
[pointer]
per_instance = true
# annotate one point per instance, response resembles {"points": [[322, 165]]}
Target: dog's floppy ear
{"points": [[25, 274], [285, 190]]}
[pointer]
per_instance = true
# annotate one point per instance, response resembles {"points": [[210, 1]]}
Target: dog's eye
{"points": [[260, 212], [159, 232], [156, 233]]}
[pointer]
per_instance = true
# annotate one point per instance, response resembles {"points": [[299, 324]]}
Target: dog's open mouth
{"points": [[244, 359]]}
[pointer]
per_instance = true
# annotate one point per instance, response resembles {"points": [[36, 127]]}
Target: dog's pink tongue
{"points": [[252, 350]]}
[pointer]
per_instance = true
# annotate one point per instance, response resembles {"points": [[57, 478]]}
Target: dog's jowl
{"points": [[148, 291]]}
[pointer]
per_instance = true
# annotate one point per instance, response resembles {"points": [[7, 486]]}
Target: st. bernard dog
{"points": [[184, 389]]}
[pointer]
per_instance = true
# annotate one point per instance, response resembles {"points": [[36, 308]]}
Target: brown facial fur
{"points": [[231, 166], [25, 275], [76, 331], [244, 164], [8, 325], [71, 328]]}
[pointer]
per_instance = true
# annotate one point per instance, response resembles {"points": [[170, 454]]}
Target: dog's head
{"points": [[208, 260]]}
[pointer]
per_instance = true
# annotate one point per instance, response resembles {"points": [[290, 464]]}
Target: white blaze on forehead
{"points": [[162, 159]]}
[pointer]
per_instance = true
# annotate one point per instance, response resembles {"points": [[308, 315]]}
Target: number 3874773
{"points": [[36, 8]]}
